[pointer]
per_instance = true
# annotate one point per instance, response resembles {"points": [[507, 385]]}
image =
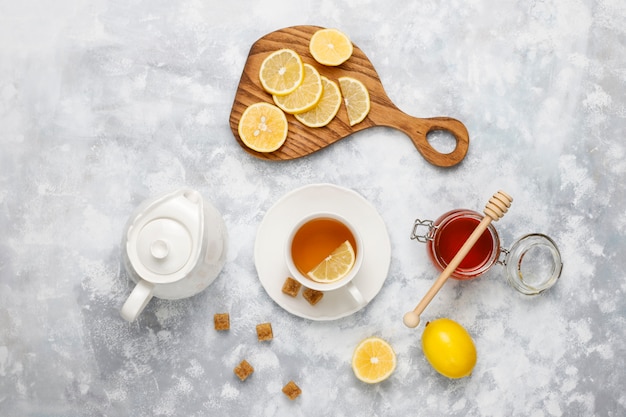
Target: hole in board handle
{"points": [[442, 141]]}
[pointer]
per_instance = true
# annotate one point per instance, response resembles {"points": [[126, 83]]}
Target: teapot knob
{"points": [[159, 249]]}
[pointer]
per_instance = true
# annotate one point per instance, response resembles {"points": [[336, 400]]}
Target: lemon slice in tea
{"points": [[336, 265]]}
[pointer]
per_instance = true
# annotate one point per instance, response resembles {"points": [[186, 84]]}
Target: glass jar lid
{"points": [[533, 264]]}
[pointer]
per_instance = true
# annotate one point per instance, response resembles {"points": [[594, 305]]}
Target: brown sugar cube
{"points": [[243, 370], [221, 321], [291, 287], [312, 296], [264, 331], [291, 390]]}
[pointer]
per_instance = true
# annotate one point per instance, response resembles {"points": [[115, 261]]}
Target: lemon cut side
{"points": [[374, 360], [263, 127], [281, 72], [306, 96], [326, 109], [330, 47], [356, 98]]}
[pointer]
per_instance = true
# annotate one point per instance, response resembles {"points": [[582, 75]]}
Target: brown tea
{"points": [[316, 239]]}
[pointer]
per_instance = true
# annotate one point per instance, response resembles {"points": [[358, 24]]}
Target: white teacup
{"points": [[174, 246], [318, 234]]}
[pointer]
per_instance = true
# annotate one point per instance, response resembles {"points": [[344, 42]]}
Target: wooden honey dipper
{"points": [[494, 210]]}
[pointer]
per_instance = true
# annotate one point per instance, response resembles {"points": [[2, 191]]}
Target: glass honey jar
{"points": [[532, 264]]}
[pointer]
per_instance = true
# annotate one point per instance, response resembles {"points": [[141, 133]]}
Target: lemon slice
{"points": [[326, 109], [306, 96], [263, 127], [373, 360], [356, 99], [336, 265], [330, 47], [281, 72]]}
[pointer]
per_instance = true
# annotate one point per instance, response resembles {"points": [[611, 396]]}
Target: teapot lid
{"points": [[165, 237], [164, 245]]}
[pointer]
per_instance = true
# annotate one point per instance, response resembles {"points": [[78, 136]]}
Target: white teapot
{"points": [[174, 246]]}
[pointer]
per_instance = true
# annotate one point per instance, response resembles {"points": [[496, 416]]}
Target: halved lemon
{"points": [[336, 265], [263, 127], [330, 47], [281, 72], [326, 109], [306, 96], [356, 99], [373, 360]]}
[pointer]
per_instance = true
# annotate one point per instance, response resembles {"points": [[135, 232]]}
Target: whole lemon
{"points": [[449, 348]]}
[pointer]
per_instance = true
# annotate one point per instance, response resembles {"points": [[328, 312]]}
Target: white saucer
{"points": [[269, 249]]}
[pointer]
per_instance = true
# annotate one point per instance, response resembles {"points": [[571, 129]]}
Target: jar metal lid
{"points": [[533, 264]]}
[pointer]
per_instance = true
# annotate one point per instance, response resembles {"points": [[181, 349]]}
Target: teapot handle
{"points": [[137, 300]]}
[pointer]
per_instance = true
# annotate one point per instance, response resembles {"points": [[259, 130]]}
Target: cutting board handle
{"points": [[446, 124], [418, 129]]}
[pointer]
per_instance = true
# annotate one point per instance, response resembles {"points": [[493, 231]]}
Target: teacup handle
{"points": [[355, 293], [137, 300]]}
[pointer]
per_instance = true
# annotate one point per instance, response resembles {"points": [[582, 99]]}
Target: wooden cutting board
{"points": [[303, 140]]}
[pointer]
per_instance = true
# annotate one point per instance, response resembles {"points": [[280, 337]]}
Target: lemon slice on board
{"points": [[336, 265], [306, 96], [326, 109], [330, 47], [263, 127], [281, 72], [373, 360], [356, 99]]}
